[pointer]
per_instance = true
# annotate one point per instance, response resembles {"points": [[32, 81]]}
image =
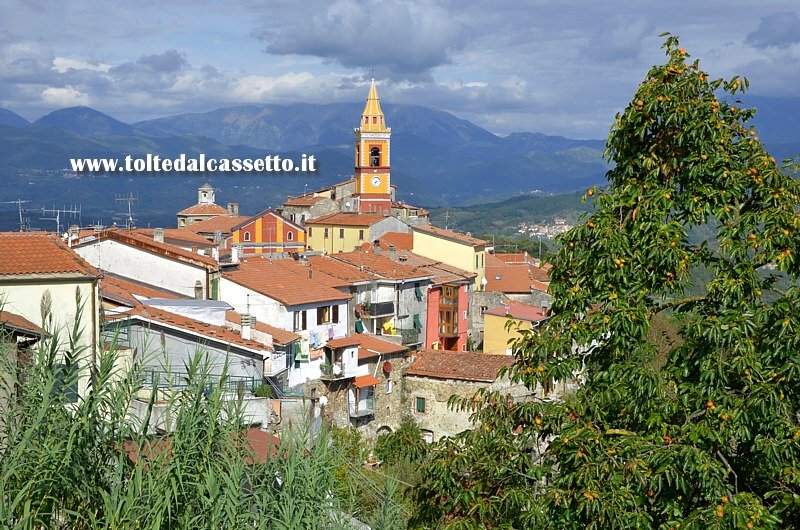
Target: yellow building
{"points": [[345, 232], [496, 336], [465, 252]]}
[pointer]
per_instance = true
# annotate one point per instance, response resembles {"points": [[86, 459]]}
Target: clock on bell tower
{"points": [[372, 168]]}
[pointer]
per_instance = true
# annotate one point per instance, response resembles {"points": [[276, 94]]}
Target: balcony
{"points": [[331, 371], [378, 309], [448, 331], [275, 364], [363, 407]]}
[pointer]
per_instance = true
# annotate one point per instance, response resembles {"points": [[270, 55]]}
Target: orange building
{"points": [[265, 233]]}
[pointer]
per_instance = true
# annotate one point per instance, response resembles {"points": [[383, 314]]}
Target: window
{"points": [[482, 260], [300, 321], [323, 315], [484, 308], [389, 386], [341, 233], [361, 235], [374, 157], [325, 234], [66, 381], [290, 236], [427, 435], [335, 318], [247, 236], [420, 402], [374, 120], [476, 261], [309, 231]]}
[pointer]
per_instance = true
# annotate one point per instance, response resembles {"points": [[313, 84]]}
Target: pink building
{"points": [[448, 315]]}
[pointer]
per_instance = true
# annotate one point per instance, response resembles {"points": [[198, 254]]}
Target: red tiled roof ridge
{"points": [[26, 253], [465, 366]]}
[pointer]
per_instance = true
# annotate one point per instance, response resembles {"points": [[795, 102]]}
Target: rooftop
{"points": [[514, 277], [177, 236], [209, 332], [464, 366], [380, 264], [369, 346], [133, 239], [220, 223], [204, 209], [304, 200], [450, 235], [17, 323], [347, 219], [287, 281], [122, 290], [26, 253], [398, 240], [279, 336], [440, 273], [519, 311]]}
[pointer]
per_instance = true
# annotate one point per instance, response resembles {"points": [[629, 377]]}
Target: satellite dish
{"points": [[323, 401], [337, 370]]}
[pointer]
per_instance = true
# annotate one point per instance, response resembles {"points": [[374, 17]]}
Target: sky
{"points": [[556, 67]]}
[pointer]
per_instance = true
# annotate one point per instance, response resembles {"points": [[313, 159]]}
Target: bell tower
{"points": [[372, 169]]}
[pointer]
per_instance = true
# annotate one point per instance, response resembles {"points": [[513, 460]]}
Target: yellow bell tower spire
{"points": [[372, 118], [372, 169]]}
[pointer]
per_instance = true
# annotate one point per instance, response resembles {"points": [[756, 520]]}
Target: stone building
{"points": [[435, 375]]}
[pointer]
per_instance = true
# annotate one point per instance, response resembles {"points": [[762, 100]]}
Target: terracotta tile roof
{"points": [[399, 240], [346, 219], [209, 332], [464, 366], [448, 234], [13, 322], [379, 264], [178, 236], [511, 257], [24, 253], [305, 200], [346, 273], [518, 311], [286, 281], [220, 223], [363, 381], [441, 273], [148, 244], [369, 346], [204, 209], [121, 290], [279, 336], [514, 277]]}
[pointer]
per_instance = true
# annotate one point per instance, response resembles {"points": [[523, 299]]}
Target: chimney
{"points": [[248, 323], [158, 235], [303, 259], [392, 252], [198, 290], [194, 250], [310, 273], [215, 254], [233, 209]]}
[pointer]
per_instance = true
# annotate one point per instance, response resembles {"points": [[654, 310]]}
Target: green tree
{"points": [[708, 436]]}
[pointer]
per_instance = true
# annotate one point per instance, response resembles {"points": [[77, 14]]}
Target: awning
{"points": [[365, 381], [418, 293], [359, 326]]}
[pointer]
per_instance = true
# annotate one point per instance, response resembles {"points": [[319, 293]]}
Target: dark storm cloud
{"points": [[402, 39], [169, 61], [777, 29]]}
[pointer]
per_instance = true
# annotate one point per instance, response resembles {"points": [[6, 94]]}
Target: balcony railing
{"points": [[364, 407], [378, 309], [410, 337], [332, 371], [275, 364]]}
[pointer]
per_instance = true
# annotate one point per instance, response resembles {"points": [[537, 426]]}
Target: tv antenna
{"points": [[130, 220], [24, 222], [56, 213]]}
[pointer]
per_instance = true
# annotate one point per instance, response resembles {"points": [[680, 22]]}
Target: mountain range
{"points": [[438, 159]]}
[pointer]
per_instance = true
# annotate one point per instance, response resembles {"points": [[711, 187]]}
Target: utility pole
{"points": [[24, 222], [130, 221]]}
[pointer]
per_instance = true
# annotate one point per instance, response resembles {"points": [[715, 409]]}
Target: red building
{"points": [[265, 233]]}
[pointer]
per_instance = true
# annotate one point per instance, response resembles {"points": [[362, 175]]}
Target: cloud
{"points": [[169, 61], [777, 29], [400, 39], [64, 97], [619, 39]]}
